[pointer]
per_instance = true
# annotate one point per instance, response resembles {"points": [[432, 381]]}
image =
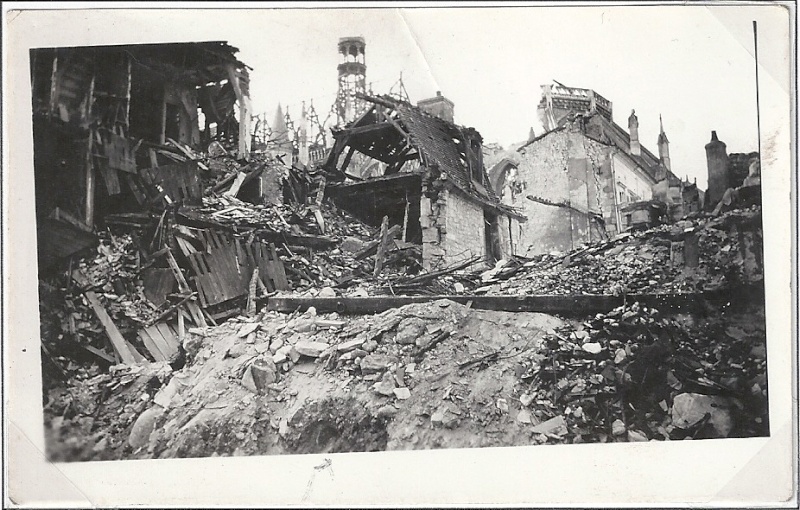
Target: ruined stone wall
{"points": [[466, 229], [507, 237], [453, 229], [542, 173], [563, 168]]}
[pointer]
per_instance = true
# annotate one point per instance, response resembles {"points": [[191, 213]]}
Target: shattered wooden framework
{"points": [[449, 180], [104, 115], [395, 132]]}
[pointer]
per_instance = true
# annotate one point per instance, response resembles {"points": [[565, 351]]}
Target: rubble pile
{"points": [[651, 261], [71, 331], [115, 272], [86, 418], [433, 375], [633, 375], [268, 385]]}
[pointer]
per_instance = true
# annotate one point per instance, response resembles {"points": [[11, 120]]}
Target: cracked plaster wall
{"points": [[566, 168]]}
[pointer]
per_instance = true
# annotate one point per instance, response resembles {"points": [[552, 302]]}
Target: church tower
{"points": [[352, 79]]}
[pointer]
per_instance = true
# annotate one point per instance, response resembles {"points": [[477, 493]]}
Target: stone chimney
{"points": [[718, 178], [663, 146], [633, 129], [438, 106]]}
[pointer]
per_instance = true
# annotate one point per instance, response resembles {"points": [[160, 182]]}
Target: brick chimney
{"points": [[438, 106], [633, 129]]}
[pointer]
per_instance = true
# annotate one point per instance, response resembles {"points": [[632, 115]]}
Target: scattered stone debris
{"points": [[726, 251], [500, 378]]}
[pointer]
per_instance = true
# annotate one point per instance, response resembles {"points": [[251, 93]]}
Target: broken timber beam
{"points": [[127, 353], [372, 246], [573, 305], [194, 308], [382, 246], [237, 184]]}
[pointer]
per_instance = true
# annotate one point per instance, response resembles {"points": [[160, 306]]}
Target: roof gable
{"points": [[396, 125]]}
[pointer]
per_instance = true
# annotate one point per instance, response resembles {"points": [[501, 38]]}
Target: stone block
{"points": [[310, 349]]}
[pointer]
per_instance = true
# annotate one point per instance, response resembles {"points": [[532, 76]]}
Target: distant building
{"points": [[573, 181], [438, 106]]}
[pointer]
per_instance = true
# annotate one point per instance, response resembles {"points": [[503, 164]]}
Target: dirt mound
{"points": [[336, 425], [434, 375]]}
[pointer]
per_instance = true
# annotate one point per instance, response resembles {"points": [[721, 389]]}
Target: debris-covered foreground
{"points": [[424, 376]]}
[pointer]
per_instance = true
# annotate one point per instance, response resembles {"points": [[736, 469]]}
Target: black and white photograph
{"points": [[274, 232]]}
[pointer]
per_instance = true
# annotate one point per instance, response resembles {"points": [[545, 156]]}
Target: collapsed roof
{"points": [[395, 132]]}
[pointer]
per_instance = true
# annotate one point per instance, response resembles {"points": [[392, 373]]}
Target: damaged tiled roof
{"points": [[616, 135], [441, 143]]}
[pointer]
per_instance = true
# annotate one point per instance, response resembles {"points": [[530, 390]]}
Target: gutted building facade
{"points": [[102, 116], [574, 182], [434, 184]]}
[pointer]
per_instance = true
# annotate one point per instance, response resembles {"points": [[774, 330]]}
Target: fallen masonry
{"points": [[314, 371], [496, 378]]}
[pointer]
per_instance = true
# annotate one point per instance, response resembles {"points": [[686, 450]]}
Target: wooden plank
{"points": [[62, 215], [157, 334], [372, 247], [182, 285], [125, 350], [574, 305], [138, 356], [181, 327], [201, 291], [152, 348], [88, 218], [381, 254], [278, 271], [197, 315], [134, 187], [103, 354], [153, 158], [169, 338], [272, 272], [237, 184]]}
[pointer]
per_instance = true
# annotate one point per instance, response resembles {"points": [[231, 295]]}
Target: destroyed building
{"points": [[225, 311], [102, 116], [118, 143], [575, 181], [445, 203], [732, 178]]}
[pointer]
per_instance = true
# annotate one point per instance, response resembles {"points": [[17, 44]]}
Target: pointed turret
{"points": [[280, 133], [718, 174], [663, 146], [633, 129], [302, 142]]}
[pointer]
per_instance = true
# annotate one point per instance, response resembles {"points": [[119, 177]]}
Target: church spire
{"points": [[662, 136], [663, 146]]}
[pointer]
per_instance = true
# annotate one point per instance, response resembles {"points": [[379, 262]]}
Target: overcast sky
{"points": [[692, 65]]}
